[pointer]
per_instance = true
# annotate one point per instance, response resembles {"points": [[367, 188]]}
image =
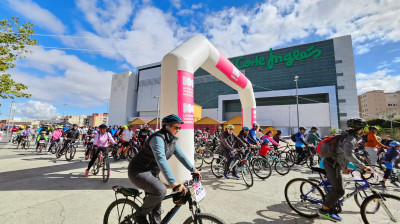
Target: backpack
{"points": [[327, 146], [293, 138]]}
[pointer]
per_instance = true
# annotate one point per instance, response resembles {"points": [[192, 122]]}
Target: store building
{"points": [[374, 103], [326, 88]]}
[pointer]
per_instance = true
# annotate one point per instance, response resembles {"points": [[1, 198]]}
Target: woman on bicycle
{"points": [[145, 167], [100, 144], [270, 139]]}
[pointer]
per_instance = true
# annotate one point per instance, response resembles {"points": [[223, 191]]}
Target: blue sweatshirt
{"points": [[157, 145]]}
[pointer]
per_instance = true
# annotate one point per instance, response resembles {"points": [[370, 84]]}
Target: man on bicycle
{"points": [[144, 133], [300, 144], [252, 137], [145, 167], [228, 142], [71, 135], [344, 153], [372, 143], [100, 145], [126, 138]]}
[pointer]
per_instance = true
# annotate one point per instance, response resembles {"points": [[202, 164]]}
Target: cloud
{"points": [[64, 78], [382, 65], [379, 80], [396, 60], [37, 15], [176, 3], [197, 6], [185, 12], [36, 110]]}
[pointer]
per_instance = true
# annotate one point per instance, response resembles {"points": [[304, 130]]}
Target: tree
{"points": [[14, 40]]}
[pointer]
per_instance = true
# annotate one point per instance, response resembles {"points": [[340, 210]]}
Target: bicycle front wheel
{"points": [[218, 167], [106, 169], [387, 212], [198, 160], [282, 167], [207, 156], [304, 197], [247, 175], [120, 211], [204, 218], [261, 168]]}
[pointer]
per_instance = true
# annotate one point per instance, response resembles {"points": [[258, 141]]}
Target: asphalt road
{"points": [[36, 188]]}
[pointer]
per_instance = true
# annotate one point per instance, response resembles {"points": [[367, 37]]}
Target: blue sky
{"points": [[83, 42]]}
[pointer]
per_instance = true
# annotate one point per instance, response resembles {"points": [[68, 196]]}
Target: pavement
{"points": [[36, 188]]}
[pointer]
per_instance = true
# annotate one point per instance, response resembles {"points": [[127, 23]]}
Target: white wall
{"points": [[146, 100], [212, 113], [344, 51]]}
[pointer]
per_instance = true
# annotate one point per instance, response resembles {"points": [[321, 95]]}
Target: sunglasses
{"points": [[230, 129], [177, 127]]}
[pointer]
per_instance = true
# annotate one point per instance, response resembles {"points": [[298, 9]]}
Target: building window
{"points": [[343, 114], [340, 74], [340, 87], [342, 100], [338, 61]]}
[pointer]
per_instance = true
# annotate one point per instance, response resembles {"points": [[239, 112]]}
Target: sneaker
{"points": [[226, 176], [236, 176], [382, 183], [326, 214], [140, 219], [394, 183], [86, 173]]}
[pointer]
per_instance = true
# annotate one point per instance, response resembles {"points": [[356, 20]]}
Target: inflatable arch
{"points": [[177, 90]]}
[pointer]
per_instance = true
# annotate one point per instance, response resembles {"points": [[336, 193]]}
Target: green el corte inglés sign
{"points": [[289, 58]]}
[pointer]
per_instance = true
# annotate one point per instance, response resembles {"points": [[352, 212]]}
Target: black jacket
{"points": [[228, 141]]}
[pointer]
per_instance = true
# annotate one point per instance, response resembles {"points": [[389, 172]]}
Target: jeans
{"points": [[334, 175], [155, 193], [53, 142], [372, 154]]}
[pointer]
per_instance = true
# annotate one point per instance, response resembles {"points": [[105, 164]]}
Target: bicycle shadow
{"points": [[209, 180]]}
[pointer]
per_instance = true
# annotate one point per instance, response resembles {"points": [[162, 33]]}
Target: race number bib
{"points": [[199, 191], [42, 141]]}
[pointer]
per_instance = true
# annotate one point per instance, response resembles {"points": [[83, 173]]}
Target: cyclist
{"points": [[144, 168], [71, 135], [89, 144], [371, 143], [334, 165], [198, 138], [126, 138], [144, 133], [313, 137], [114, 130], [41, 136], [277, 138], [24, 134], [56, 135], [228, 141], [244, 134], [100, 145], [252, 138], [390, 156], [300, 145], [206, 133], [270, 139], [217, 136]]}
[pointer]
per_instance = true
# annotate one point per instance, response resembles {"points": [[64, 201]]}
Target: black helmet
{"points": [[356, 123], [103, 126], [373, 128], [171, 119]]}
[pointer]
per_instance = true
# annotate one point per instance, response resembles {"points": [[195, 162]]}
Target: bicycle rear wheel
{"points": [[281, 167], [304, 197], [204, 218], [218, 167], [96, 167], [207, 156], [261, 168], [106, 169], [287, 157], [388, 210], [120, 211], [198, 159], [55, 148], [246, 174]]}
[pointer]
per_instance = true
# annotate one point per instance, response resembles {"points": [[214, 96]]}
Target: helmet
{"points": [[23, 127], [255, 124], [302, 128], [171, 119], [125, 127], [356, 123], [230, 126], [145, 125], [245, 128], [219, 127], [102, 126], [59, 127], [373, 128], [266, 140], [137, 130], [42, 132], [198, 131], [394, 144]]}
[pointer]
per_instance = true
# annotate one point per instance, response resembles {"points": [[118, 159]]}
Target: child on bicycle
{"points": [[265, 147], [41, 136], [390, 156]]}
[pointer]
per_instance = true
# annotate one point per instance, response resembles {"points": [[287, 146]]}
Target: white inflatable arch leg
{"points": [[177, 93]]}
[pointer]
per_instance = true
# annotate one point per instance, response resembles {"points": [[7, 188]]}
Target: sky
{"points": [[83, 42]]}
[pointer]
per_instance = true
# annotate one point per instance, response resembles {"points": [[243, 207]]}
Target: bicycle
{"points": [[13, 138], [42, 144], [126, 207], [218, 168], [198, 156], [57, 146], [25, 143], [68, 149], [280, 166], [311, 197], [102, 162]]}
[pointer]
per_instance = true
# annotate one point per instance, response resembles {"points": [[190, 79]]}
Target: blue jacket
{"points": [[300, 140], [113, 131], [252, 137], [391, 155]]}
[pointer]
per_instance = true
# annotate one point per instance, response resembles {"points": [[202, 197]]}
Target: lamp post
{"points": [[296, 78], [9, 117], [158, 111], [108, 101]]}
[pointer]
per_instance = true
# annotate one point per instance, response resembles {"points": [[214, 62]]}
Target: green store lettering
{"points": [[289, 58]]}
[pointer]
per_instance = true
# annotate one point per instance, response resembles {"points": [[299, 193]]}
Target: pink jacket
{"points": [[270, 139], [56, 134]]}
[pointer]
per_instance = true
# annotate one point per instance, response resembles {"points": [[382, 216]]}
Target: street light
{"points": [[9, 117], [158, 111], [296, 78], [108, 101]]}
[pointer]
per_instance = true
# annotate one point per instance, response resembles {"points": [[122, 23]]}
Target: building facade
{"points": [[376, 102], [96, 119], [326, 87]]}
